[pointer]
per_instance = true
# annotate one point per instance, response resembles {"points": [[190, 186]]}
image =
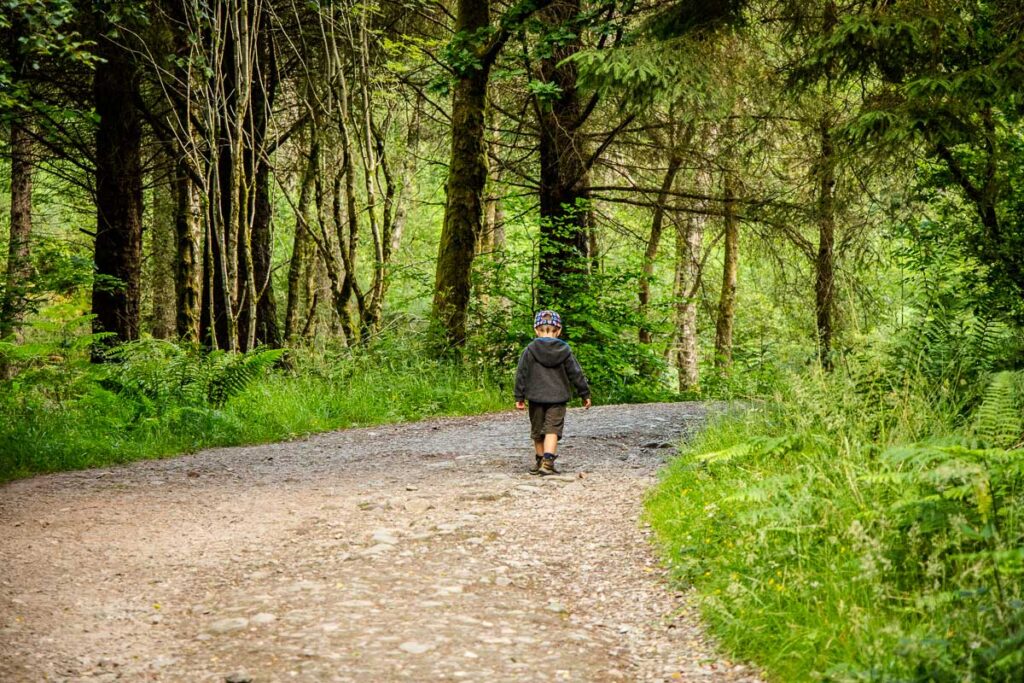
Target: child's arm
{"points": [[522, 373], [578, 379]]}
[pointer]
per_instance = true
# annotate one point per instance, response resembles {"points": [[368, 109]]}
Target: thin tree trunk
{"points": [[223, 214], [824, 282], [373, 156], [348, 245], [162, 261], [188, 280], [301, 247], [264, 88], [19, 263], [689, 240], [118, 245], [727, 300], [651, 252]]}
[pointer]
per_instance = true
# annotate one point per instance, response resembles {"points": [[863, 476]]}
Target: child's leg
{"points": [[538, 446], [550, 444]]}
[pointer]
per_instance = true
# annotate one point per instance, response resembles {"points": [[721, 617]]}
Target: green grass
{"points": [[71, 418], [843, 531]]}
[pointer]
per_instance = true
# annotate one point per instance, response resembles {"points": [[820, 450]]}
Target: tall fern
{"points": [[238, 372], [158, 374], [999, 421]]}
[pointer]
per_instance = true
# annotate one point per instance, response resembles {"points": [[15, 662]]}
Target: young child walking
{"points": [[546, 369]]}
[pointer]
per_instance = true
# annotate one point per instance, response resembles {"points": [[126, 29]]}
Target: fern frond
{"points": [[999, 422], [239, 372]]}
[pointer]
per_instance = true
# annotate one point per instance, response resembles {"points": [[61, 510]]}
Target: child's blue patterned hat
{"points": [[547, 318]]}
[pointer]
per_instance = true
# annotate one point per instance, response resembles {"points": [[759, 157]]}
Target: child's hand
{"points": [[520, 405], [586, 404]]}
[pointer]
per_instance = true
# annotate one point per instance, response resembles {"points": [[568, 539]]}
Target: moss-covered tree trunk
{"points": [[189, 259], [161, 262], [467, 177]]}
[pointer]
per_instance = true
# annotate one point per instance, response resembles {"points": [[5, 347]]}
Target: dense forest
{"points": [[240, 220]]}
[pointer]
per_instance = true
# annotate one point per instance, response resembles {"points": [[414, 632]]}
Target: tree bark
{"points": [[118, 245], [301, 247], [689, 241], [651, 252], [162, 261], [824, 282], [564, 183], [188, 277], [264, 92], [467, 177], [19, 262], [727, 299]]}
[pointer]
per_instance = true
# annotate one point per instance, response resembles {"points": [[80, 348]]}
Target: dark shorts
{"points": [[546, 418]]}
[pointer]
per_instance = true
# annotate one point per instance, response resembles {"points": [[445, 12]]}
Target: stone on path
{"points": [[386, 536], [228, 625], [415, 648]]}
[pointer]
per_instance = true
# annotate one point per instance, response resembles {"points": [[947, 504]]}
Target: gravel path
{"points": [[419, 552]]}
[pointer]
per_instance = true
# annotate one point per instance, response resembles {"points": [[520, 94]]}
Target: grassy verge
{"points": [[857, 530], [160, 402]]}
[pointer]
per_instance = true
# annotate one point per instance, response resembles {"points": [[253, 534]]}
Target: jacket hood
{"points": [[549, 351]]}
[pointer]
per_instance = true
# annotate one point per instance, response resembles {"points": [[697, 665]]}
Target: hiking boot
{"points": [[536, 466], [547, 466]]}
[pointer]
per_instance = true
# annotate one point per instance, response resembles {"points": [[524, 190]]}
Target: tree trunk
{"points": [[188, 273], [19, 263], [689, 240], [264, 89], [301, 247], [727, 300], [118, 245], [467, 177], [824, 283], [651, 252], [162, 261], [564, 183], [224, 215]]}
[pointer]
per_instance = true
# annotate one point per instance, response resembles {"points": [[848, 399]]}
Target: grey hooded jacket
{"points": [[545, 371]]}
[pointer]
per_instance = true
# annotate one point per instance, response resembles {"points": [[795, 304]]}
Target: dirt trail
{"points": [[408, 552]]}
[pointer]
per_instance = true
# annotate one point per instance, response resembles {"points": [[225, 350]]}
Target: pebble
{"points": [[263, 618], [415, 648], [417, 506], [228, 625], [386, 536]]}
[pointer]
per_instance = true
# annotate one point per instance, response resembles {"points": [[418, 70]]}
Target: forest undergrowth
{"points": [[865, 524], [162, 398]]}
